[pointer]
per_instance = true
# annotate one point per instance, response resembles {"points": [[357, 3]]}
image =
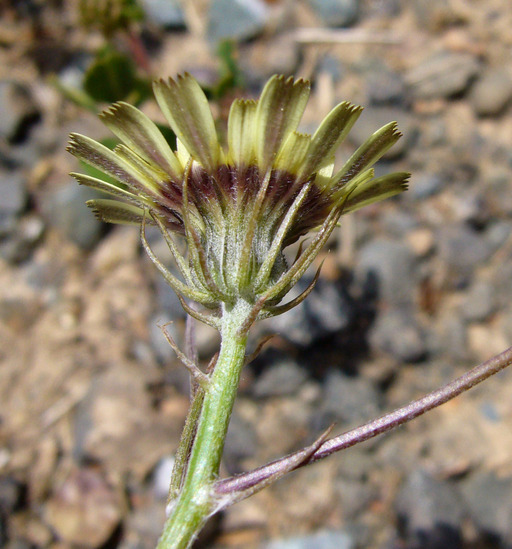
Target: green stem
{"points": [[183, 451], [196, 502]]}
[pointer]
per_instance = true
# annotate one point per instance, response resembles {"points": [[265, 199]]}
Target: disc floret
{"points": [[238, 207]]}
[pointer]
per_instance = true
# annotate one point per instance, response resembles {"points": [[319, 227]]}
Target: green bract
{"points": [[237, 207]]}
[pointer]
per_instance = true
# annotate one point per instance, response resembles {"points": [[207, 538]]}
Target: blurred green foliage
{"points": [[112, 76], [230, 75], [109, 16]]}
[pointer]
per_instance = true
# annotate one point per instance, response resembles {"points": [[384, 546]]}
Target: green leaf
{"points": [[230, 74], [111, 77]]}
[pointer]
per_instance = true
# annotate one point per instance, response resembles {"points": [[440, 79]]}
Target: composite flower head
{"points": [[238, 206]]}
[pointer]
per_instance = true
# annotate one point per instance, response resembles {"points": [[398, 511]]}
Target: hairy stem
{"points": [[196, 501], [248, 481]]}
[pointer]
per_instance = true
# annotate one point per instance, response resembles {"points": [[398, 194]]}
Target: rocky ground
{"points": [[414, 291]]}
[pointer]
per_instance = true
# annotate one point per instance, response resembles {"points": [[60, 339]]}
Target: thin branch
{"points": [[344, 36], [197, 375], [375, 427], [303, 456], [261, 343]]}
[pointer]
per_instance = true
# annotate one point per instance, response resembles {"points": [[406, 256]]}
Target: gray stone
{"points": [[498, 194], [450, 338], [168, 303], [13, 192], [325, 311], [502, 282], [18, 246], [374, 118], [397, 223], [425, 185], [236, 19], [489, 499], [498, 232], [283, 378], [479, 302], [16, 109], [321, 540], [491, 93], [385, 87], [336, 13], [279, 54], [332, 66], [432, 511], [383, 8], [462, 249], [385, 269], [434, 14], [469, 207], [397, 332], [445, 75], [355, 496], [10, 494], [175, 373], [65, 210], [165, 13], [162, 477], [241, 443], [348, 399]]}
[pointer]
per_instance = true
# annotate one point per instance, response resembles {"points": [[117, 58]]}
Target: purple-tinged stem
{"points": [[372, 428]]}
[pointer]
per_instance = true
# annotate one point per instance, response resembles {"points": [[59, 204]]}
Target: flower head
{"points": [[239, 206]]}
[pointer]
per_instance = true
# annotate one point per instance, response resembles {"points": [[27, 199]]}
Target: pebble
{"points": [[326, 310], [479, 302], [241, 443], [432, 512], [374, 118], [469, 207], [421, 241], [162, 477], [165, 13], [435, 14], [11, 493], [497, 233], [385, 269], [84, 510], [336, 13], [355, 496], [18, 111], [65, 210], [320, 540], [491, 93], [450, 337], [385, 87], [348, 399], [280, 379], [332, 66], [143, 525], [13, 192], [384, 8], [462, 249], [279, 54], [489, 499], [443, 75], [168, 303], [499, 193], [425, 185], [397, 332], [175, 373], [397, 222], [20, 244], [236, 19]]}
